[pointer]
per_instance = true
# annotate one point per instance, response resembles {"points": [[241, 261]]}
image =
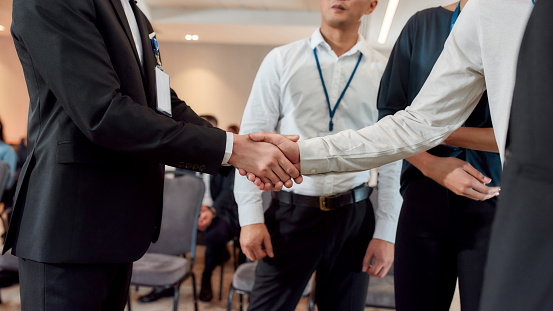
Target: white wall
{"points": [[14, 100], [212, 78]]}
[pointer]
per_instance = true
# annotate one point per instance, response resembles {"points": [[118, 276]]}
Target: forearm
{"points": [[475, 138]]}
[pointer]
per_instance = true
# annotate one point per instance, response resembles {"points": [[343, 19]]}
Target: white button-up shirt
{"points": [[287, 97], [481, 52]]}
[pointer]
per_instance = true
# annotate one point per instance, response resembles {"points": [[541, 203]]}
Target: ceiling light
{"points": [[2, 28], [195, 37], [191, 37], [387, 22]]}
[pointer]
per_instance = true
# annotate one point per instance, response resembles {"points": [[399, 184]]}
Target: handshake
{"points": [[269, 160]]}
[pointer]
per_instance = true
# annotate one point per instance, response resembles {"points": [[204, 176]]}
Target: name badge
{"points": [[163, 92]]}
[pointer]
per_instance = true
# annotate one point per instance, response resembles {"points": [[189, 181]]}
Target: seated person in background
{"points": [[218, 221], [233, 128]]}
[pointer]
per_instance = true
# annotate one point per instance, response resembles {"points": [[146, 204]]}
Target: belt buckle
{"points": [[322, 202]]}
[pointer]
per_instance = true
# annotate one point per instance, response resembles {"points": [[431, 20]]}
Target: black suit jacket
{"points": [[91, 188], [518, 273]]}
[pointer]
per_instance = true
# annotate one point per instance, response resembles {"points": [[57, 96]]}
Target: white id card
{"points": [[163, 92]]}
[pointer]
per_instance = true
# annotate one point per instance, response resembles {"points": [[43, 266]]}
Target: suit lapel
{"points": [[125, 24]]}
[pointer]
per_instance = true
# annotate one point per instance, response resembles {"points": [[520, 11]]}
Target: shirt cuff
{"points": [[385, 230], [228, 148], [313, 156], [250, 214]]}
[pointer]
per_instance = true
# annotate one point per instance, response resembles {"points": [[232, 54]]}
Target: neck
{"points": [[451, 7], [340, 40]]}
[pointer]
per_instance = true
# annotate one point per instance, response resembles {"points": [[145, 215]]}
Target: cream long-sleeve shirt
{"points": [[287, 97], [481, 52]]}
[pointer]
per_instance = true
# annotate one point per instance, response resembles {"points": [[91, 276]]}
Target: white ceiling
{"points": [[258, 22]]}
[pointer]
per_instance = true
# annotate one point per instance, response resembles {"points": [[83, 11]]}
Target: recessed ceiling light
{"points": [[2, 28], [191, 37]]}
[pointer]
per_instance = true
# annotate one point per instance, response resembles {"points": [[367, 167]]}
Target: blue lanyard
{"points": [[330, 110], [533, 2], [456, 14]]}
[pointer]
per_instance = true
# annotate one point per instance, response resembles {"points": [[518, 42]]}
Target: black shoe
{"points": [[156, 293], [205, 293]]}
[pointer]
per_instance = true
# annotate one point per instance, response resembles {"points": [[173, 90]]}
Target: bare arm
{"points": [[475, 138]]}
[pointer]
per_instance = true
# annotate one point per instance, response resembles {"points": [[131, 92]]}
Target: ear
{"points": [[371, 7]]}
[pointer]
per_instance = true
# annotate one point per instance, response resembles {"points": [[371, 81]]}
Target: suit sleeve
{"points": [[69, 55]]}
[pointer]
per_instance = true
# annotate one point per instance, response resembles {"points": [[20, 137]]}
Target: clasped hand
{"points": [[269, 160]]}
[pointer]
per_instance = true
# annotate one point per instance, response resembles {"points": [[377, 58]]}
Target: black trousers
{"points": [[306, 239], [440, 236], [216, 237], [71, 287]]}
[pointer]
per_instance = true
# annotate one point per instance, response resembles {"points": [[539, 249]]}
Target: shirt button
{"points": [[313, 171]]}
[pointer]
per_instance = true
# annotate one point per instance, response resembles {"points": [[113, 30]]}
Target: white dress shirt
{"points": [[133, 25], [287, 97], [481, 51]]}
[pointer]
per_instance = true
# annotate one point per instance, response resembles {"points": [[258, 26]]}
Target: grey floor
{"points": [[11, 301]]}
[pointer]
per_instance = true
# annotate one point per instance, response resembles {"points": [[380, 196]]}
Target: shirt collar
{"points": [[361, 45]]}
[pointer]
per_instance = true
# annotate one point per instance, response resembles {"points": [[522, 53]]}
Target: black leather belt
{"points": [[327, 202]]}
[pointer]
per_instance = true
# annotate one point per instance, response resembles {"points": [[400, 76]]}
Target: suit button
{"points": [[180, 164]]}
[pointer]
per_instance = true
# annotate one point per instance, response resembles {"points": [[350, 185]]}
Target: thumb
{"points": [[268, 245], [293, 138], [272, 138]]}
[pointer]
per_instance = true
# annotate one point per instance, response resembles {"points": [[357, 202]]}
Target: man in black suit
{"points": [[89, 199], [518, 274]]}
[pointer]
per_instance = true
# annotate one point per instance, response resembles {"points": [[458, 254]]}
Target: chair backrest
{"points": [[4, 175], [182, 200]]}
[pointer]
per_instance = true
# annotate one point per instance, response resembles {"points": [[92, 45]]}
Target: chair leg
{"points": [[176, 291], [241, 302], [194, 291], [229, 299], [221, 282]]}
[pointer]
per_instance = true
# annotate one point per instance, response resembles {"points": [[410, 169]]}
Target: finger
{"points": [[242, 172], [375, 269], [476, 174], [268, 245], [258, 252], [279, 171], [267, 187], [278, 186], [367, 262], [298, 180], [475, 195], [251, 177], [288, 184], [287, 168]]}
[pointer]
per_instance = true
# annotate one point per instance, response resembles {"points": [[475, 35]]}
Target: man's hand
{"points": [[204, 220], [456, 175], [256, 241], [383, 254], [287, 144], [263, 160]]}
